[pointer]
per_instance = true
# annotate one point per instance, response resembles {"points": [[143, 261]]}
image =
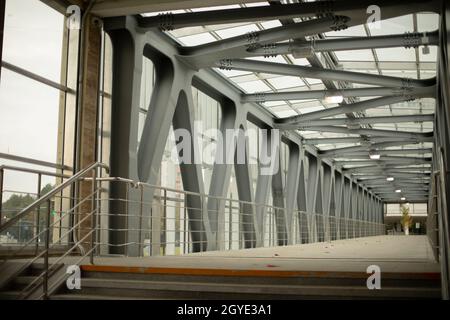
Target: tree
{"points": [[406, 220], [15, 204]]}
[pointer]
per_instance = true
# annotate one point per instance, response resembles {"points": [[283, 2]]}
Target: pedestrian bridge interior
{"points": [[119, 160]]}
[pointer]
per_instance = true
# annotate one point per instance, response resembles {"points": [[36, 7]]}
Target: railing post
{"points": [[230, 225], [141, 208], [47, 246], [93, 217], [165, 219], [1, 194], [38, 213]]}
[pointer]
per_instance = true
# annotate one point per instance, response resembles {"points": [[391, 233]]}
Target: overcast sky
{"points": [[29, 109]]}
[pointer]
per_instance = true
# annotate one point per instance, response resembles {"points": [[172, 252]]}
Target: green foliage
{"points": [[406, 220], [17, 202]]}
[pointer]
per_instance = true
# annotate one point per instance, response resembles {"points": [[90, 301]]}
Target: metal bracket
{"points": [[340, 23], [326, 8], [411, 40], [270, 50], [260, 97], [252, 39], [165, 21], [226, 64]]}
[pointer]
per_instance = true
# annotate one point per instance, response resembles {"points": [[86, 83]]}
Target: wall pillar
{"points": [[87, 121]]}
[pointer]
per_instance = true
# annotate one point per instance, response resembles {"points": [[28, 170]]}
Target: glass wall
{"points": [[34, 112]]}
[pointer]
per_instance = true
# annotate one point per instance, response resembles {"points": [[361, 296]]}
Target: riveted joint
{"points": [[252, 39], [260, 97], [225, 64], [411, 40], [340, 23], [270, 50], [165, 21], [325, 9]]}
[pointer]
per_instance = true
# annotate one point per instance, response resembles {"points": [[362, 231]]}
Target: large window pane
{"points": [[28, 117], [33, 37]]}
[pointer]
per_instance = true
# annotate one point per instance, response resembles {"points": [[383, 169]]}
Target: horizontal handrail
{"points": [[51, 193], [28, 170], [40, 163]]}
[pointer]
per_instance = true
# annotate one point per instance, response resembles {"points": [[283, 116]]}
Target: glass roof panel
{"points": [[254, 86], [286, 82], [355, 55], [197, 39]]}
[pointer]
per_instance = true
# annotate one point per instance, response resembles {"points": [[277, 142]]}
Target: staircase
{"points": [[112, 282], [26, 281]]}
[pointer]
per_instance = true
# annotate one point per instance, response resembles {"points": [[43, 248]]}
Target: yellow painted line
{"points": [[252, 273]]}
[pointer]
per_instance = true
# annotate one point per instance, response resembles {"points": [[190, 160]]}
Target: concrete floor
{"points": [[392, 253]]}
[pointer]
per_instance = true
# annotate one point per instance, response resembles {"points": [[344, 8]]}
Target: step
{"points": [[151, 288], [10, 295], [312, 279], [69, 296]]}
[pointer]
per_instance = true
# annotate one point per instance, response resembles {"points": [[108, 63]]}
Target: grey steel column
{"points": [[292, 186], [302, 203], [127, 68], [279, 199], [245, 191], [2, 28]]}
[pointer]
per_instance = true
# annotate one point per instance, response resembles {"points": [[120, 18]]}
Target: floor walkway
{"points": [[406, 254]]}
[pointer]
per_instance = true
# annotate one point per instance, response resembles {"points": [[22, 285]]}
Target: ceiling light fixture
{"points": [[403, 198], [398, 190], [390, 178], [334, 99], [374, 155]]}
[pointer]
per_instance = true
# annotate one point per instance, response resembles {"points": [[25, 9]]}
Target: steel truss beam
{"points": [[292, 122], [364, 154], [322, 94], [321, 73], [301, 49], [358, 121], [207, 54], [383, 159], [374, 146], [357, 11], [373, 132], [380, 162], [386, 169]]}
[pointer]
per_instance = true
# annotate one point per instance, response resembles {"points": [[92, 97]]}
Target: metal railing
{"points": [[68, 223], [159, 222], [80, 213]]}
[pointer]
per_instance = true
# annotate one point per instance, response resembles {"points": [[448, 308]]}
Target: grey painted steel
{"points": [[235, 47], [299, 48], [364, 154], [378, 145], [373, 132], [321, 94], [292, 185], [279, 198], [357, 11], [324, 74], [310, 184], [343, 109], [359, 121]]}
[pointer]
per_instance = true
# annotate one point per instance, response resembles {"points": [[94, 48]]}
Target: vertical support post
{"points": [[87, 117], [46, 253], [141, 209], [164, 244], [292, 185], [38, 213], [2, 173], [2, 30], [93, 216]]}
